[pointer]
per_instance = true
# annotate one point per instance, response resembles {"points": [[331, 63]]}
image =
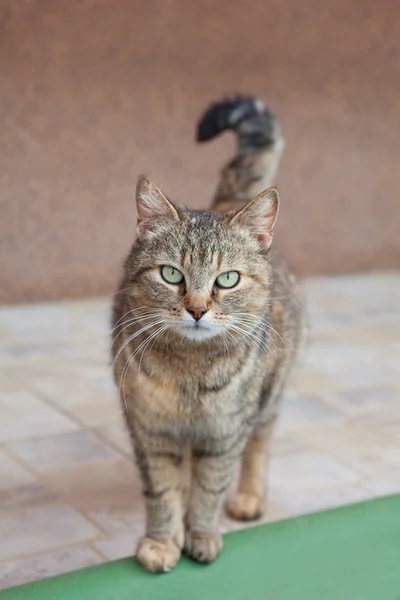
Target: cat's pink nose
{"points": [[197, 312]]}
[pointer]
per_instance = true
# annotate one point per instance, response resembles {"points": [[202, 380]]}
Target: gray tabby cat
{"points": [[206, 326]]}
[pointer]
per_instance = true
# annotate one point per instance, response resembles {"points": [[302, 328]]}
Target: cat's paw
{"points": [[158, 557], [203, 547], [245, 507]]}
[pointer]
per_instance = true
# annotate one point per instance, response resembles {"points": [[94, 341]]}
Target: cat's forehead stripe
{"points": [[183, 256]]}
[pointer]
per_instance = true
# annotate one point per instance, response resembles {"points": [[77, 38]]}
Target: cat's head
{"points": [[198, 273]]}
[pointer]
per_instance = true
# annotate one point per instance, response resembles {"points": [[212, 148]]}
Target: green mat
{"points": [[351, 553]]}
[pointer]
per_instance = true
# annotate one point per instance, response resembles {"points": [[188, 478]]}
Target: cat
{"points": [[206, 326]]}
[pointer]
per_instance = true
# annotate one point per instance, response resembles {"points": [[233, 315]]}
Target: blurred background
{"points": [[94, 92]]}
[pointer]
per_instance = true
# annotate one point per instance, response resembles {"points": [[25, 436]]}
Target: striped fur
{"points": [[197, 408]]}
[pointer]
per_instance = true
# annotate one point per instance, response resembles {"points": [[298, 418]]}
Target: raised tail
{"points": [[260, 147]]}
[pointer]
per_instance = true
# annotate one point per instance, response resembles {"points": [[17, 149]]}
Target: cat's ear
{"points": [[152, 206], [260, 216]]}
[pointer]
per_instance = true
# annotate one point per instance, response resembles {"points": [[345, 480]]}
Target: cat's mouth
{"points": [[198, 330]]}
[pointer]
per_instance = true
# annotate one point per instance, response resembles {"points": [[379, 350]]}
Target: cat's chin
{"points": [[198, 333]]}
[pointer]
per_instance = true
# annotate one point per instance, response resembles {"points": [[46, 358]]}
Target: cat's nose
{"points": [[197, 312]]}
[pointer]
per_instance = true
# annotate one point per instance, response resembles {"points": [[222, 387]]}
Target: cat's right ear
{"points": [[152, 206]]}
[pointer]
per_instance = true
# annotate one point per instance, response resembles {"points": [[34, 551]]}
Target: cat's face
{"points": [[200, 274]]}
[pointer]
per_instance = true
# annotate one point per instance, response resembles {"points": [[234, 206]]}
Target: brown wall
{"points": [[92, 92]]}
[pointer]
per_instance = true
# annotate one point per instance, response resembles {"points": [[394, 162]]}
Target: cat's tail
{"points": [[260, 147]]}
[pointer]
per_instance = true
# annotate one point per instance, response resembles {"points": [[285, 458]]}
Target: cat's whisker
{"points": [[264, 321], [232, 337], [247, 335], [132, 337], [260, 327], [154, 338], [131, 322], [150, 336], [129, 361], [117, 325], [263, 330], [108, 334], [224, 335], [258, 324], [126, 369]]}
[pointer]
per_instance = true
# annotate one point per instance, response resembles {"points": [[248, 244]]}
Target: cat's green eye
{"points": [[227, 280], [171, 275]]}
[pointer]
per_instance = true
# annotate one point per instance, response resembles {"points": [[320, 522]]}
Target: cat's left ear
{"points": [[152, 206], [260, 216]]}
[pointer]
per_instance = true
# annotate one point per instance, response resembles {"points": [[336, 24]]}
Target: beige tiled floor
{"points": [[69, 495]]}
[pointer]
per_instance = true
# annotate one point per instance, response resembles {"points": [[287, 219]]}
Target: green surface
{"points": [[351, 553]]}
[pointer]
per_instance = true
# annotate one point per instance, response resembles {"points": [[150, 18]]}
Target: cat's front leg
{"points": [[160, 467], [211, 476], [250, 500]]}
